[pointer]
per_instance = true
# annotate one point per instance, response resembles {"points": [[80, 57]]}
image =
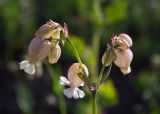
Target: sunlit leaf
{"points": [[116, 11]]}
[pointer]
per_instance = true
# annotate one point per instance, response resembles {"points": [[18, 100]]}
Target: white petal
{"points": [[126, 70], [68, 92], [64, 81], [75, 94], [82, 84], [81, 94], [30, 69], [23, 64], [86, 69]]}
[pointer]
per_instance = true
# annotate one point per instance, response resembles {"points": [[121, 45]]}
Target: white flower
{"points": [[37, 51], [74, 82], [28, 67]]}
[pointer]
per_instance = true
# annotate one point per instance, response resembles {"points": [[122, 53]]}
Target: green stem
{"points": [[76, 52], [106, 75], [94, 103], [101, 74], [103, 68], [62, 106]]}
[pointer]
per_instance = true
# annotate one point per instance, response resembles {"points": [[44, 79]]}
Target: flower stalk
{"points": [[104, 65], [94, 103]]}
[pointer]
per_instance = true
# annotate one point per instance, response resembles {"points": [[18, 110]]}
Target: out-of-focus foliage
{"points": [[108, 93], [91, 24]]}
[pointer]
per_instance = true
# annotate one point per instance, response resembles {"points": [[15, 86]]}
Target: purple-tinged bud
{"points": [[54, 54], [124, 41], [65, 30], [38, 50], [123, 60]]}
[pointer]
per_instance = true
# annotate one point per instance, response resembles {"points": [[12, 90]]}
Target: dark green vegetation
{"points": [[91, 24]]}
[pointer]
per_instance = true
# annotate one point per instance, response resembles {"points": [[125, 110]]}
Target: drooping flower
{"points": [[37, 51], [120, 54], [123, 60], [73, 81], [45, 43], [50, 29]]}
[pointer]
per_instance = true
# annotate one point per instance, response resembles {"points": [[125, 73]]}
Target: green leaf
{"points": [[108, 93], [116, 12]]}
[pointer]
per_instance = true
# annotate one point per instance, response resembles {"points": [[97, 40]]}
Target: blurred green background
{"points": [[91, 24]]}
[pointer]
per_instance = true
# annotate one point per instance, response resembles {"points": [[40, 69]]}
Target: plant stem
{"points": [[106, 74], [62, 106], [76, 52], [101, 74], [103, 68], [94, 103]]}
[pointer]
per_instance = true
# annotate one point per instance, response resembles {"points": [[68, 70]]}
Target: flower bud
{"points": [[38, 50], [50, 29], [108, 58], [54, 54], [123, 60], [65, 30], [124, 41], [73, 78]]}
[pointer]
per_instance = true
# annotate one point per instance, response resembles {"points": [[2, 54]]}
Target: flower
{"points": [[73, 81], [45, 43], [108, 58], [50, 29], [54, 54], [123, 60], [37, 51], [123, 41], [120, 53]]}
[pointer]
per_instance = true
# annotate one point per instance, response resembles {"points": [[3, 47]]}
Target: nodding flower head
{"points": [[74, 81], [120, 53], [123, 60], [37, 51], [123, 41], [50, 29]]}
